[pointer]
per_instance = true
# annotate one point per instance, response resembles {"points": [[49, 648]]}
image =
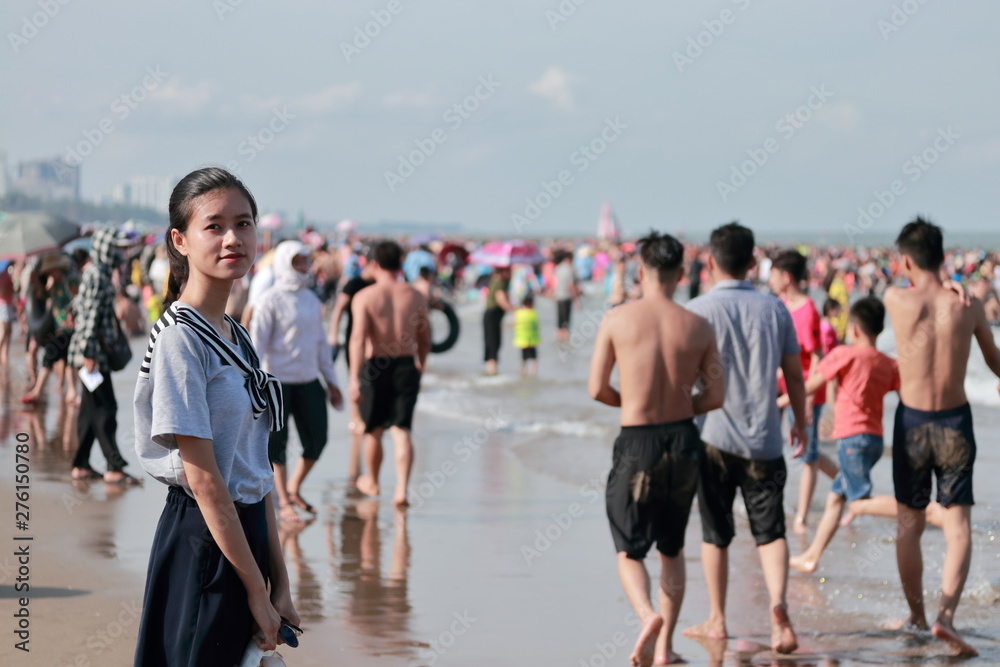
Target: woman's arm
{"points": [[223, 523], [281, 594]]}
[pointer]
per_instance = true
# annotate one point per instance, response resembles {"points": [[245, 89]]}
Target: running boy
{"points": [[661, 350], [933, 430], [526, 336], [864, 376]]}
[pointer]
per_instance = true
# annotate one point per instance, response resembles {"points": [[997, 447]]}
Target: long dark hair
{"points": [[192, 186]]}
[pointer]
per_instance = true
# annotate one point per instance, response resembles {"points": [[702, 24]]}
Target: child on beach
{"points": [[662, 351], [864, 376], [789, 272], [827, 330], [203, 410], [933, 430], [526, 335]]}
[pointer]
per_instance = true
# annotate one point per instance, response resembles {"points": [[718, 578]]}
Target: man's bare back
{"points": [[660, 348], [392, 319], [934, 331]]}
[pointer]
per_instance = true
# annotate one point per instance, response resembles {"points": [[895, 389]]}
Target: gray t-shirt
{"points": [[190, 391], [754, 331], [565, 278]]}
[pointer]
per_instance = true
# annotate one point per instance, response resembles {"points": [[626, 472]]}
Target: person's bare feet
{"points": [[783, 638], [909, 624], [670, 658], [711, 629], [366, 485], [799, 526], [947, 633], [849, 516], [288, 515], [802, 563], [645, 645], [400, 500]]}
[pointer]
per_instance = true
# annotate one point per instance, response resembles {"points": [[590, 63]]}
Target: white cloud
{"points": [[186, 98], [554, 85], [413, 99], [328, 100], [841, 117]]}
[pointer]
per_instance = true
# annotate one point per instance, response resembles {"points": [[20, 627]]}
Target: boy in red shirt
{"points": [[788, 274], [864, 376]]}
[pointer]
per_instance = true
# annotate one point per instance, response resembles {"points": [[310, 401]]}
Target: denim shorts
{"points": [[857, 455], [812, 433]]}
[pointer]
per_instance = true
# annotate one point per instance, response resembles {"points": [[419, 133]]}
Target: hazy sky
{"points": [[670, 100]]}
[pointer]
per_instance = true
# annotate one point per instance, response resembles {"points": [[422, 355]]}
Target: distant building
{"points": [[4, 181], [47, 179], [146, 191]]}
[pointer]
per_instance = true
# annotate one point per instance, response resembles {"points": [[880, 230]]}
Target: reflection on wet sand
{"points": [[377, 604]]}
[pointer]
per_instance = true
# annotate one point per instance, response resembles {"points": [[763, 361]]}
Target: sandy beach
{"points": [[504, 558]]}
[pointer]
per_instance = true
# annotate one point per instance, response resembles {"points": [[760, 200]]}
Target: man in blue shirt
{"points": [[743, 442]]}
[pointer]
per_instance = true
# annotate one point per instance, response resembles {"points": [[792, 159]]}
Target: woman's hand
{"points": [[336, 400], [267, 620], [281, 599]]}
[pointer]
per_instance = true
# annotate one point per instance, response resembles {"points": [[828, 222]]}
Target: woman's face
{"points": [[221, 237]]}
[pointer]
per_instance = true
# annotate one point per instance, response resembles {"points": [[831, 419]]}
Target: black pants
{"points": [[492, 322], [195, 611], [98, 419], [307, 403]]}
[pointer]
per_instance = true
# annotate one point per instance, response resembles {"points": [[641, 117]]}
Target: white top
{"points": [[287, 329], [189, 391]]}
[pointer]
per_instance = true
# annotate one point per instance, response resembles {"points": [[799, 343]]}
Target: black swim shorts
{"points": [[389, 388], [939, 442], [563, 309], [762, 483], [651, 487], [306, 403]]}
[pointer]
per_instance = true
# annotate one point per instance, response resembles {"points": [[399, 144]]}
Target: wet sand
{"points": [[505, 557]]}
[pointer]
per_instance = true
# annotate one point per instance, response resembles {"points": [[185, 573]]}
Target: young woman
{"points": [[203, 411]]}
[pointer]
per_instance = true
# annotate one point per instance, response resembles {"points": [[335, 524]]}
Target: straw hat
{"points": [[54, 261]]}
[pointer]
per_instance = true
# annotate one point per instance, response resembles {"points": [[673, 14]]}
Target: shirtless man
{"points": [[933, 432], [662, 350], [389, 345]]}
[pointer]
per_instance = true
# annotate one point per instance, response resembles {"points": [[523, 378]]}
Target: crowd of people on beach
{"points": [[239, 346]]}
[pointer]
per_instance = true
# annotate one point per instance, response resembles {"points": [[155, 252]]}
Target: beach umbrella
{"points": [[271, 221], [416, 260], [423, 239], [30, 233], [507, 253]]}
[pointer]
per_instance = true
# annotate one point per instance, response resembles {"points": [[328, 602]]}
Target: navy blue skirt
{"points": [[195, 610]]}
